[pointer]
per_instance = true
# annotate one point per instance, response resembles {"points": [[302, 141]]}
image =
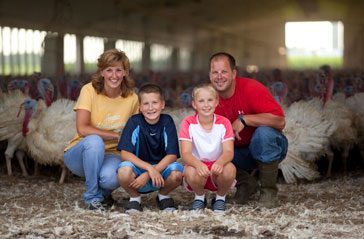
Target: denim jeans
{"points": [[88, 159], [148, 187], [266, 145]]}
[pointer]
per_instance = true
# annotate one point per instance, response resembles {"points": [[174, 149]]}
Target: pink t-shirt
{"points": [[206, 144]]}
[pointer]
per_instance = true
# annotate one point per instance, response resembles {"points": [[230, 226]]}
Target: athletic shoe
{"points": [[218, 205], [133, 206], [96, 205], [166, 204], [108, 201], [198, 205]]}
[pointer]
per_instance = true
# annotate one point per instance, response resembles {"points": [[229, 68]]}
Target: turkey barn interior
{"points": [[49, 51]]}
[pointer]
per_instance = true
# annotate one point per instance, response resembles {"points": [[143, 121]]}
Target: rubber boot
{"points": [[268, 173], [245, 186]]}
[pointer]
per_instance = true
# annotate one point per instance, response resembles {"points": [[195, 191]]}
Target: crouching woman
{"points": [[102, 110]]}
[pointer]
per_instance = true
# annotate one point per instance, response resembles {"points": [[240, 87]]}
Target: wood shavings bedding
{"points": [[38, 207]]}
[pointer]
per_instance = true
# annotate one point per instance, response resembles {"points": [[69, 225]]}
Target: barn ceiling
{"points": [[170, 20]]}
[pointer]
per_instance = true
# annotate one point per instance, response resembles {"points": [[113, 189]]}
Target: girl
{"points": [[207, 147]]}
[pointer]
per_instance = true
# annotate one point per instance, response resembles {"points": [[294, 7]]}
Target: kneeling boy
{"points": [[149, 150]]}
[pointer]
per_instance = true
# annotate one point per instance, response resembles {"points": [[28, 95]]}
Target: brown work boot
{"points": [[268, 173], [245, 186]]}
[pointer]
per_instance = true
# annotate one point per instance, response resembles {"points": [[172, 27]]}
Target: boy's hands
{"points": [[153, 174], [217, 168], [140, 181], [202, 170], [157, 179]]}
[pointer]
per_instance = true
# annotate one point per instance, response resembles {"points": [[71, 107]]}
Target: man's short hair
{"points": [[150, 88], [231, 59]]}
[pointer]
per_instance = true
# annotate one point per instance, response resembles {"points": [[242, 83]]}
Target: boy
{"points": [[149, 150], [207, 147]]}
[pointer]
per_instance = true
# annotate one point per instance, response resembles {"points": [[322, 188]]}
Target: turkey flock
{"points": [[37, 126], [319, 127], [34, 122]]}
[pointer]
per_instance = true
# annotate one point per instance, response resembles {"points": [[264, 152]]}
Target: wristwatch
{"points": [[241, 118]]}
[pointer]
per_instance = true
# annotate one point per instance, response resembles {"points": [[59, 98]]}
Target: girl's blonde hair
{"points": [[109, 58], [197, 88]]}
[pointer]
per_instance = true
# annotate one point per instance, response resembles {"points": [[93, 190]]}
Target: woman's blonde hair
{"points": [[197, 88], [109, 58]]}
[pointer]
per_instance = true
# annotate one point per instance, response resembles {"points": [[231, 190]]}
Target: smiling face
{"points": [[151, 106], [113, 76], [205, 101], [222, 76]]}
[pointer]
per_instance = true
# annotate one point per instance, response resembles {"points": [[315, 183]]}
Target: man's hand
{"points": [[237, 126], [140, 181]]}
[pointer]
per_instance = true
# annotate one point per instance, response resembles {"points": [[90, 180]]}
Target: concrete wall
{"points": [[354, 46]]}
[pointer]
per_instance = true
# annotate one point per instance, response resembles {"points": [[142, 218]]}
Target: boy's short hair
{"points": [[150, 88], [204, 86]]}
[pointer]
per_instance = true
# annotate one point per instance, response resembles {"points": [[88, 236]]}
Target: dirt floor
{"points": [[38, 207]]}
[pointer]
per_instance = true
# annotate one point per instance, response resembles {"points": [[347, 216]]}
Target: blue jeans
{"points": [[88, 159], [266, 145], [148, 187]]}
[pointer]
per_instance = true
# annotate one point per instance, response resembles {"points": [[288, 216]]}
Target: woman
{"points": [[102, 110]]}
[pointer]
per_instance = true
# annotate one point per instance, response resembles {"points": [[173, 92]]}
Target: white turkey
{"points": [[11, 128], [346, 134], [45, 91], [355, 103], [49, 130], [22, 85], [308, 137], [73, 89], [11, 124]]}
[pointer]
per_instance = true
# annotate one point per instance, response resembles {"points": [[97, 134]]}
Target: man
{"points": [[257, 121]]}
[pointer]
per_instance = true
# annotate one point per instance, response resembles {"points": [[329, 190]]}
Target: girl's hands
{"points": [[203, 170], [217, 168]]}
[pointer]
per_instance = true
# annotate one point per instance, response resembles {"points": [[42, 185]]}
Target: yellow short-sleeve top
{"points": [[106, 113]]}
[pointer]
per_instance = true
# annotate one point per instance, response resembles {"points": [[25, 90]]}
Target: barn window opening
{"points": [[134, 51], [21, 50], [311, 44], [184, 59], [69, 49], [160, 57], [93, 48]]}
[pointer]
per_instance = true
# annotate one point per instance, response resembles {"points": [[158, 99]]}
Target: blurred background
{"points": [[301, 50], [169, 42]]}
